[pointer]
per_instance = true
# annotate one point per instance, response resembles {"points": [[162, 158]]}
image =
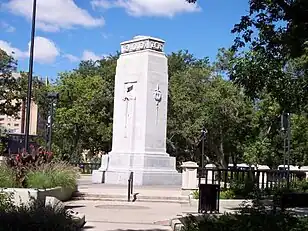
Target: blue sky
{"points": [[72, 30]]}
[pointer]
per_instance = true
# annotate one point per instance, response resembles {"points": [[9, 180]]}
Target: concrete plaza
{"points": [[106, 209]]}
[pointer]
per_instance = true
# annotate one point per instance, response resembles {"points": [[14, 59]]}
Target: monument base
{"points": [[98, 177], [144, 177], [148, 169]]}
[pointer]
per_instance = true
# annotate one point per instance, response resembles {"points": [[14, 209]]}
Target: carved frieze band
{"points": [[142, 45]]}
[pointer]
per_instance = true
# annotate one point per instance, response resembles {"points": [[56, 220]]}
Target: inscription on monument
{"points": [[142, 45]]}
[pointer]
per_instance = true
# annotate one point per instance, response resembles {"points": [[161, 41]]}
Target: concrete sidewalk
{"points": [[107, 216], [156, 193], [115, 215], [104, 215]]}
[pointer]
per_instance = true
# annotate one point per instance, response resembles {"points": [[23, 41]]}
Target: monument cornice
{"points": [[140, 43]]}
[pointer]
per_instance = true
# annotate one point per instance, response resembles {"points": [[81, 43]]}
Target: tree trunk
{"points": [[223, 161], [22, 119]]}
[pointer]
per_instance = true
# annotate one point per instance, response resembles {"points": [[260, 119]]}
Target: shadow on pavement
{"points": [[139, 230], [74, 206], [88, 227]]}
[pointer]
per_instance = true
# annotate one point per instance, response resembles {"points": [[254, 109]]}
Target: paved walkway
{"points": [[112, 215], [117, 215], [85, 186]]}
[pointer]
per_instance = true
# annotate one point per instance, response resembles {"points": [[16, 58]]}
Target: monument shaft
{"points": [[140, 116]]}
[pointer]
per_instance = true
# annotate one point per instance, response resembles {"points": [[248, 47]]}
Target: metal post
{"points": [[201, 174], [203, 135], [289, 149], [29, 93], [132, 184], [53, 99], [284, 127], [50, 127], [128, 189], [284, 150]]}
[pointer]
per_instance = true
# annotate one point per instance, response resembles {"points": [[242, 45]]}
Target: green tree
{"points": [[9, 88], [276, 33], [277, 27], [84, 112], [299, 125], [3, 143], [185, 106], [198, 97]]}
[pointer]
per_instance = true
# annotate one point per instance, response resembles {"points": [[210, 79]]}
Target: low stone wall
{"points": [[25, 195]]}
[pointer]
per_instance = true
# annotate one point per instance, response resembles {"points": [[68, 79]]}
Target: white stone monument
{"points": [[140, 116]]}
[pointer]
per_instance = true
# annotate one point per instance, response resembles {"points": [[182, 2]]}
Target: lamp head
{"points": [[53, 95]]}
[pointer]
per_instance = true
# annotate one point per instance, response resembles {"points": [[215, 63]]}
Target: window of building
{"points": [[16, 125], [8, 124], [1, 119]]}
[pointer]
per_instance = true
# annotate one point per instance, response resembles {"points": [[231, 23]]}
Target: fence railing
{"points": [[263, 179], [87, 168]]}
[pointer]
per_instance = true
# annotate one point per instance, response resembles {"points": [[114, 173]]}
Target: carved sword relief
{"points": [[128, 97]]}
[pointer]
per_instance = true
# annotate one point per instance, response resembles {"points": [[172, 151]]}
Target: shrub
{"points": [[195, 194], [24, 161], [52, 175], [33, 217], [299, 186], [246, 188], [6, 202], [7, 177], [227, 194], [253, 219]]}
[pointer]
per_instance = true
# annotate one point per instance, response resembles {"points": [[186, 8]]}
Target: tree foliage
{"points": [[276, 33], [83, 118], [9, 87], [281, 27], [199, 98], [240, 128]]}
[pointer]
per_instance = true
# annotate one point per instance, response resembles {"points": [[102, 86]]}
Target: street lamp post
{"points": [[53, 98], [289, 149], [286, 129], [203, 137], [29, 92], [201, 174]]}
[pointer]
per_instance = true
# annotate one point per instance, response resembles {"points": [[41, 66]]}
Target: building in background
{"points": [[17, 125]]}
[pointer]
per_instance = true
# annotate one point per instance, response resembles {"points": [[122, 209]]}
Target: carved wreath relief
{"points": [[157, 97]]}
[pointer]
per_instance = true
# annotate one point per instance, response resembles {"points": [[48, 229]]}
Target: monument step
{"points": [[125, 200], [106, 197]]}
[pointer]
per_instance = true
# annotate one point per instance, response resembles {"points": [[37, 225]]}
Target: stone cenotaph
{"points": [[140, 116]]}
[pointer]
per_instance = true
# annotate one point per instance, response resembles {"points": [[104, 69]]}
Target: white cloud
{"points": [[106, 35], [89, 55], [53, 15], [71, 58], [7, 27], [45, 51], [166, 8], [10, 50]]}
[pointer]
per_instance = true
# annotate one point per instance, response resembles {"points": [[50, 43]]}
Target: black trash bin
{"points": [[209, 198]]}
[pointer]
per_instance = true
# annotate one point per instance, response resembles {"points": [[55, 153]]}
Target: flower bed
{"points": [[36, 176]]}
